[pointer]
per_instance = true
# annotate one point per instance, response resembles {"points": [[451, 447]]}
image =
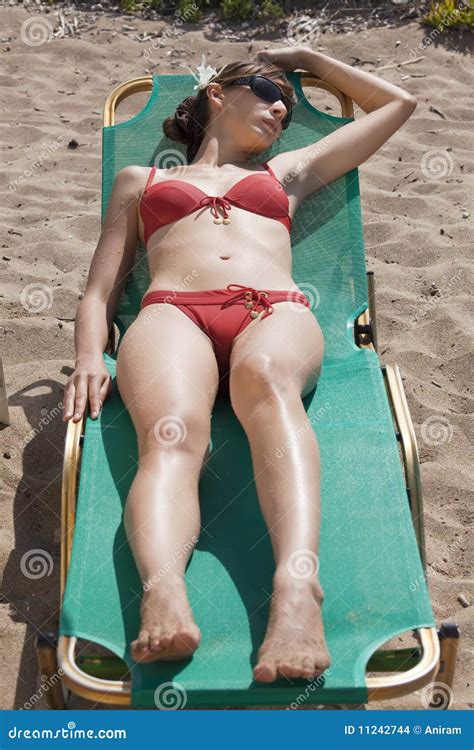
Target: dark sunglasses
{"points": [[268, 90]]}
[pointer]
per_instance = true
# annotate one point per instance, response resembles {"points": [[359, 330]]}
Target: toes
{"points": [[155, 639], [166, 640], [174, 645], [287, 669], [321, 660], [317, 666], [187, 638], [265, 671], [309, 670], [143, 642], [195, 633], [268, 670], [183, 642], [141, 646], [306, 667], [155, 645]]}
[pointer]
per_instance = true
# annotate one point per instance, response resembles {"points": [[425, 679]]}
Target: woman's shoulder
{"points": [[132, 173], [132, 178]]}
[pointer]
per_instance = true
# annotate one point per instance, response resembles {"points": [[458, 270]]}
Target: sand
{"points": [[415, 199]]}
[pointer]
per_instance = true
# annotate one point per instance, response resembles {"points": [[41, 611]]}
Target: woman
{"points": [[241, 327]]}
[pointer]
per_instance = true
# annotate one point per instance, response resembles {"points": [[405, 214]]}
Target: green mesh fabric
{"points": [[369, 563]]}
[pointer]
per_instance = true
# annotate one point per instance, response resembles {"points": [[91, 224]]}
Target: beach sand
{"points": [[414, 194]]}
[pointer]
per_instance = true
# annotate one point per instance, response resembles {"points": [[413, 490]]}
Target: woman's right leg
{"points": [[167, 376]]}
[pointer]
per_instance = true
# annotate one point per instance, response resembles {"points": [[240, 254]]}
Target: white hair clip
{"points": [[205, 73]]}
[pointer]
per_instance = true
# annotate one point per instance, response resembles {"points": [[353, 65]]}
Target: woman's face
{"points": [[254, 123]]}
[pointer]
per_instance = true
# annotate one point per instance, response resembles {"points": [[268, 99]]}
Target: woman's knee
{"points": [[179, 429], [259, 379]]}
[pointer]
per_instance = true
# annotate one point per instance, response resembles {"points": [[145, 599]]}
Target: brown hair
{"points": [[187, 125]]}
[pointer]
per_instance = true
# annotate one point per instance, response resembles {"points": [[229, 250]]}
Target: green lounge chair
{"points": [[371, 550]]}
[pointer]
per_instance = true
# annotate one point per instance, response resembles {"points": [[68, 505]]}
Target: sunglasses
{"points": [[268, 90]]}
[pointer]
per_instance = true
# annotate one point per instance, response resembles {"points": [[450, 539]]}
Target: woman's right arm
{"points": [[110, 265]]}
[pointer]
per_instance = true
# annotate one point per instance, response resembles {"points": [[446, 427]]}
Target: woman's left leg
{"points": [[274, 362]]}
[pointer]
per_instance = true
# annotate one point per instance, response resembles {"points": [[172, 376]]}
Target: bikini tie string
{"points": [[253, 298], [214, 201]]}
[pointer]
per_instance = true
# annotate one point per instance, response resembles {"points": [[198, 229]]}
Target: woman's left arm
{"points": [[387, 107]]}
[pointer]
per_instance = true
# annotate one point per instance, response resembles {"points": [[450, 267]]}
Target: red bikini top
{"points": [[169, 200]]}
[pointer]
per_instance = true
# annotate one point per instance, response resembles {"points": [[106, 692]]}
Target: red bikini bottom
{"points": [[222, 314]]}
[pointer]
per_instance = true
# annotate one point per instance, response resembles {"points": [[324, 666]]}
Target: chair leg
{"points": [[50, 674], [442, 694]]}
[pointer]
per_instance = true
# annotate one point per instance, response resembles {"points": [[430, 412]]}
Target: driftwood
{"points": [[399, 64]]}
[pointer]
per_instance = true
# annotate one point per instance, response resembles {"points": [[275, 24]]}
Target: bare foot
{"points": [[294, 644], [167, 631]]}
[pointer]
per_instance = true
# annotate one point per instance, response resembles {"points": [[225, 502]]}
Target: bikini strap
{"points": [[150, 177], [270, 170]]}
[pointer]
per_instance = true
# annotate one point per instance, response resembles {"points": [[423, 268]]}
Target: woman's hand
{"points": [[90, 380], [285, 58]]}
